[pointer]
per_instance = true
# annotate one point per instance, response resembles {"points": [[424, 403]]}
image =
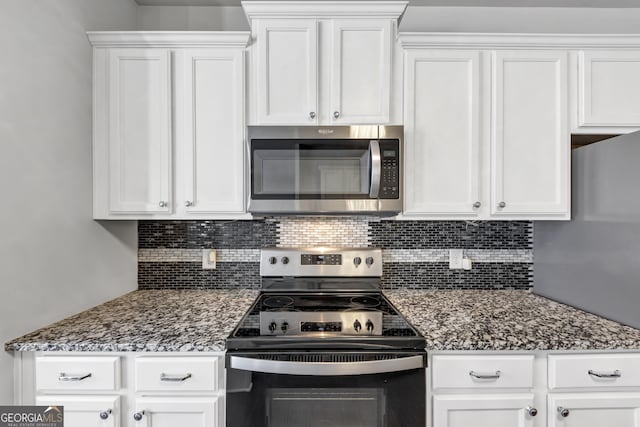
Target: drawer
{"points": [[177, 374], [65, 373], [594, 371], [482, 371]]}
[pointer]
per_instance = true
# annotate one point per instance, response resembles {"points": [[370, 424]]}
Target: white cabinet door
{"points": [[442, 134], [86, 411], [530, 135], [139, 128], [594, 410], [287, 71], [212, 138], [490, 410], [609, 88], [361, 71], [177, 411]]}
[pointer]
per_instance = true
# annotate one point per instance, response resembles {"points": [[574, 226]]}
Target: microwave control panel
{"points": [[390, 173]]}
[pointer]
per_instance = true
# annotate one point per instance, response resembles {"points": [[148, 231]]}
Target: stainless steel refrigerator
{"points": [[593, 261]]}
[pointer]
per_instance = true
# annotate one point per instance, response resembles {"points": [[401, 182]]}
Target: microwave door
{"points": [[376, 169]]}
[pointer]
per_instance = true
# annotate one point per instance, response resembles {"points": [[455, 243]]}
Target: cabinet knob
{"points": [[104, 415], [312, 115], [188, 204], [336, 114], [477, 205], [531, 411], [502, 205], [138, 415], [162, 204], [564, 412]]}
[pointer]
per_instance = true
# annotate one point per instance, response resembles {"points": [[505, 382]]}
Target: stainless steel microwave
{"points": [[325, 170]]}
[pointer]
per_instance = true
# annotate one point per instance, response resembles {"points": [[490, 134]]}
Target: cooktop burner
{"points": [[278, 301]]}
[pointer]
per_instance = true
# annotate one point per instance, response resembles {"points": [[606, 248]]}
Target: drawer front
{"points": [[67, 373], [594, 371], [177, 374], [482, 372]]}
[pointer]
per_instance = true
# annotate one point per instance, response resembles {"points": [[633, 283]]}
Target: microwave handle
{"points": [[376, 168]]}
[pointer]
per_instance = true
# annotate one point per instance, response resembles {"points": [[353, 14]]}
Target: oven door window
{"points": [[275, 400], [294, 169], [295, 407]]}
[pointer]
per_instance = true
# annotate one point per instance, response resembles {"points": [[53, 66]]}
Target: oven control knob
{"points": [[369, 325], [284, 326], [357, 326], [273, 260], [285, 260], [273, 326], [357, 261], [369, 261]]}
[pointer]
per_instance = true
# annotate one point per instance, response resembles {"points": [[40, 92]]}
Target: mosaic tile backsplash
{"points": [[415, 253]]}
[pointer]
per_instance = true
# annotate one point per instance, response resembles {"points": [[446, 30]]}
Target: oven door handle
{"points": [[328, 368], [376, 168]]}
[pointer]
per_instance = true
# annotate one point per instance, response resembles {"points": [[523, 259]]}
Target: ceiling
{"points": [[476, 3]]}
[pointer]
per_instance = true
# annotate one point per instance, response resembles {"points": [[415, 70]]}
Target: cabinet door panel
{"points": [[442, 136], [213, 160], [609, 88], [139, 131], [489, 410], [84, 411], [287, 71], [530, 136], [182, 411], [361, 71], [595, 410]]}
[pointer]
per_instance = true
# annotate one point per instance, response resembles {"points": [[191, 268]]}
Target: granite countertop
{"points": [[200, 320], [159, 320], [507, 320]]}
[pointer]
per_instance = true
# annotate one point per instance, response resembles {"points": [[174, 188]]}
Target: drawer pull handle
{"points": [[480, 376], [73, 377], [174, 378], [614, 374]]}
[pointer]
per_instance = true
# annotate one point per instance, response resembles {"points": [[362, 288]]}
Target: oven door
{"points": [[320, 389]]}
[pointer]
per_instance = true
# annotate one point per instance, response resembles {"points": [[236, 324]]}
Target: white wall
{"points": [[521, 20], [54, 259], [416, 18], [194, 18]]}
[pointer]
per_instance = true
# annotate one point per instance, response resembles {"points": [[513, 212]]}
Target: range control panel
{"points": [[356, 323], [321, 262]]}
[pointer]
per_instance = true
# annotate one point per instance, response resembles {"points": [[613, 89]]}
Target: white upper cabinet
{"points": [[530, 142], [486, 130], [212, 158], [361, 71], [139, 131], [168, 136], [287, 71], [608, 91], [442, 132], [331, 63]]}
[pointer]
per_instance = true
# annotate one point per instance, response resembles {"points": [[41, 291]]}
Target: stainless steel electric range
{"points": [[322, 346]]}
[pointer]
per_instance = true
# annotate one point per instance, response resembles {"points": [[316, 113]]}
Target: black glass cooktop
{"points": [[394, 324]]}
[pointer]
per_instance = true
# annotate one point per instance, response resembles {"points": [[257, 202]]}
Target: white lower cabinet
{"points": [[86, 411], [478, 410], [177, 411], [594, 410], [126, 389]]}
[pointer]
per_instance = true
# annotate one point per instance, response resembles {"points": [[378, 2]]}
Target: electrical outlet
{"points": [[208, 259], [455, 259]]}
